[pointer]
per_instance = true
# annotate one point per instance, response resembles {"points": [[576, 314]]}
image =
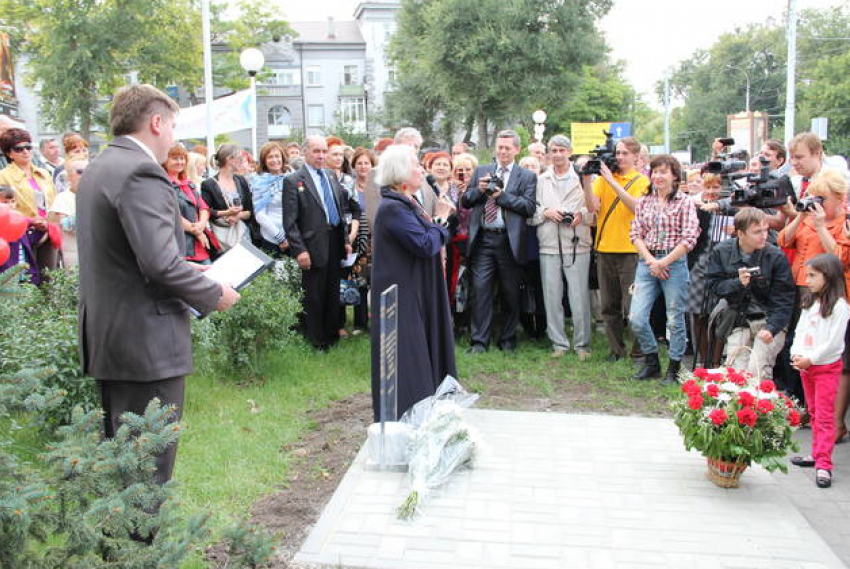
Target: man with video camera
{"points": [[613, 196], [753, 278]]}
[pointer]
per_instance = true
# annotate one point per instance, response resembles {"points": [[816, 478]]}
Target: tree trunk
{"points": [[85, 123], [468, 124], [483, 140]]}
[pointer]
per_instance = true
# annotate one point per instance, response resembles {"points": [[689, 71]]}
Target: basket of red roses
{"points": [[735, 419]]}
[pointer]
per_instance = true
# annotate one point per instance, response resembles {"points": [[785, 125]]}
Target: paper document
{"points": [[238, 266]]}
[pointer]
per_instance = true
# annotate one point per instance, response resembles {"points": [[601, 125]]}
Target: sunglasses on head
{"points": [[22, 147]]}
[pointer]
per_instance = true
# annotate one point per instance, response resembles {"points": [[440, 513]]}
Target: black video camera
{"points": [[603, 153], [763, 190]]}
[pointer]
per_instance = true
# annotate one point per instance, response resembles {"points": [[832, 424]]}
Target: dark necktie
{"points": [[491, 208], [328, 198]]}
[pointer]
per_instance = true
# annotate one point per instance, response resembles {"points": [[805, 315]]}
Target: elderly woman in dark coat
{"points": [[406, 252]]}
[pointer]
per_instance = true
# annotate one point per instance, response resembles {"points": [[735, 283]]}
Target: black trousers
{"points": [[117, 397], [321, 295], [493, 262], [534, 321]]}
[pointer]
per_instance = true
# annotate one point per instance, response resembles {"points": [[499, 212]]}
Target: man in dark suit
{"points": [[314, 221], [135, 286], [497, 234]]}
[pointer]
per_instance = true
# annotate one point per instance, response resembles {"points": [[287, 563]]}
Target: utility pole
{"points": [[790, 85], [208, 81]]}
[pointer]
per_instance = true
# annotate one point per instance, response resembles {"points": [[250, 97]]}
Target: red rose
{"points": [[764, 406], [691, 388], [746, 399], [747, 416], [701, 372], [767, 386], [712, 389], [718, 416], [737, 379], [731, 370], [695, 402], [715, 377], [789, 403], [793, 418]]}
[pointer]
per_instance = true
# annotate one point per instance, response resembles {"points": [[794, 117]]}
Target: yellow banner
{"points": [[587, 135]]}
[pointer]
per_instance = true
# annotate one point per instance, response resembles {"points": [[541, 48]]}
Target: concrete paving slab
{"points": [[554, 491]]}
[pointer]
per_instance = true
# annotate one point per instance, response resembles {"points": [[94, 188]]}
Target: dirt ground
{"points": [[322, 456]]}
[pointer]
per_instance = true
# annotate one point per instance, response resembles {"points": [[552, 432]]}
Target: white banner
{"points": [[229, 114]]}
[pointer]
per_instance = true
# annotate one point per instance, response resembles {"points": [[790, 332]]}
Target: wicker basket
{"points": [[725, 474]]}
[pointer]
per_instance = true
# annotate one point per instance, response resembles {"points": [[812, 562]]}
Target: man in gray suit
{"points": [[372, 191], [135, 286]]}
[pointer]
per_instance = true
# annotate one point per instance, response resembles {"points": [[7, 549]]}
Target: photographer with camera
{"points": [[501, 197], [613, 198], [563, 230], [664, 229], [754, 279]]}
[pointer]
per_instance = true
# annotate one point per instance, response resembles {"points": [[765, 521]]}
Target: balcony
{"points": [[351, 90], [278, 90]]}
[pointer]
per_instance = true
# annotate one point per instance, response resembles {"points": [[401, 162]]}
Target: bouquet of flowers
{"points": [[441, 445], [733, 417]]}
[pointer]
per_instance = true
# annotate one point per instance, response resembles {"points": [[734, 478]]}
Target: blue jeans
{"points": [[646, 290]]}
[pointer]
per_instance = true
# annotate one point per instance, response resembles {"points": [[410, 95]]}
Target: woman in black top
{"points": [[228, 194]]}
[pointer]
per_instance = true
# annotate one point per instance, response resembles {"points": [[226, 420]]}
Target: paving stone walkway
{"points": [[562, 491]]}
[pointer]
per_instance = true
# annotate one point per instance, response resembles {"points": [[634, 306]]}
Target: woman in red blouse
{"points": [[200, 242]]}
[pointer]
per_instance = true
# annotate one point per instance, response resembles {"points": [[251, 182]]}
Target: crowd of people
{"points": [[484, 250]]}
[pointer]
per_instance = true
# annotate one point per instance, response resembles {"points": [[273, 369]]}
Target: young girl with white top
{"points": [[816, 353]]}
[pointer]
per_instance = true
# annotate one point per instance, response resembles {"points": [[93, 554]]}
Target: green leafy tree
{"points": [[80, 51], [479, 62]]}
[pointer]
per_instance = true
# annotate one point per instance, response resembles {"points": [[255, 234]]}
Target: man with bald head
{"points": [[314, 218]]}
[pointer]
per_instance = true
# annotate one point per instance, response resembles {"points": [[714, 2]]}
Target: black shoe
{"points": [[672, 376], [613, 358], [651, 368], [803, 462], [823, 478], [476, 349], [509, 347]]}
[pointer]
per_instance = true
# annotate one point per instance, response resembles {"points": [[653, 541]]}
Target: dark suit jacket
{"points": [[518, 202], [304, 218], [372, 197], [135, 286], [211, 192]]}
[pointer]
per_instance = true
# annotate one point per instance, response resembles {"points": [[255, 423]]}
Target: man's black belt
{"points": [[660, 252], [496, 230]]}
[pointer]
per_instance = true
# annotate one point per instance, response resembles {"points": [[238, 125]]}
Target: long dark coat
{"points": [[406, 252]]}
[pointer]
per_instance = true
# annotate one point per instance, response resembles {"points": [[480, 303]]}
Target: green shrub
{"points": [[40, 331], [232, 343]]}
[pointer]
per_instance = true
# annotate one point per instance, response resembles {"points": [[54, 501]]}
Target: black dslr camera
{"points": [[603, 153], [496, 184], [567, 217]]}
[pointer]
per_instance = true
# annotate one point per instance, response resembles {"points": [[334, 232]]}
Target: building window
{"points": [[314, 76], [283, 78], [280, 121], [391, 76], [316, 115], [349, 75], [352, 110]]}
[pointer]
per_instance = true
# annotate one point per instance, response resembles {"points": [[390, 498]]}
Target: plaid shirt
{"points": [[662, 227]]}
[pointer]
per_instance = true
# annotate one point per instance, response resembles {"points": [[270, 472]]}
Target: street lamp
{"points": [[366, 107], [747, 75], [252, 61], [539, 118]]}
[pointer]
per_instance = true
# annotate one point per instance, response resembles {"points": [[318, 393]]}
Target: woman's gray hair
{"points": [[394, 165]]}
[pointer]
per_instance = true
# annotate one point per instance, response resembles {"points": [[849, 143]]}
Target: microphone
{"points": [[432, 181]]}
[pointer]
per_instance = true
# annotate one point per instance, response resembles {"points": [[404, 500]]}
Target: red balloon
{"points": [[4, 214], [4, 251], [15, 227]]}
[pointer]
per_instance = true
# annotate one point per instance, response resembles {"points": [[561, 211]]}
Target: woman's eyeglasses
{"points": [[22, 148]]}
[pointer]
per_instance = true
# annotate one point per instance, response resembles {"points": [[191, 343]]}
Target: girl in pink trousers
{"points": [[816, 353]]}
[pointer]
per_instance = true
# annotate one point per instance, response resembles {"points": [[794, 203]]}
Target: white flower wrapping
{"points": [[443, 444]]}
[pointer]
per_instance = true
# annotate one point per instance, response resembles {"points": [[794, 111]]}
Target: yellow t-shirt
{"points": [[615, 237]]}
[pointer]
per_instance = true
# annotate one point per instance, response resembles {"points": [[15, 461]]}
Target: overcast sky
{"points": [[649, 35]]}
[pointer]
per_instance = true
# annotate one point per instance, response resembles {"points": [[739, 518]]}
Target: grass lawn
{"points": [[233, 450]]}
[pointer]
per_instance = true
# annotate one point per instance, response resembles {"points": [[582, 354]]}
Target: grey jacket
{"points": [[135, 286]]}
